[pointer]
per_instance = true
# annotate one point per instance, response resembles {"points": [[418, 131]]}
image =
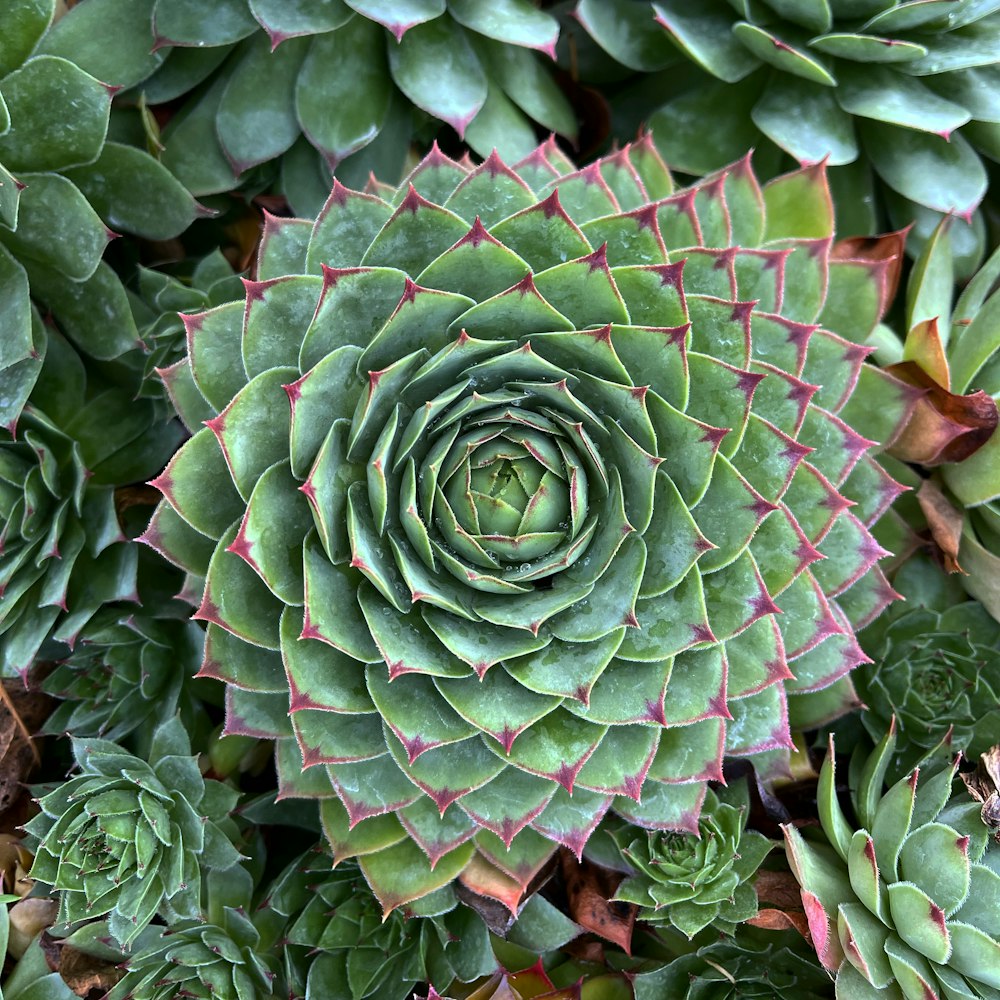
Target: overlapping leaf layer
{"points": [[537, 491], [474, 66]]}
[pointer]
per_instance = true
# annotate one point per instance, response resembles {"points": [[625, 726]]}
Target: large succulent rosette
{"points": [[497, 514]]}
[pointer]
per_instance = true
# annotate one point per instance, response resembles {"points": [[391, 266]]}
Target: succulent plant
{"points": [[498, 514], [206, 959], [951, 351], [906, 905], [64, 555], [130, 667], [339, 945], [882, 90], [129, 838], [935, 665], [348, 80], [692, 880], [156, 303], [755, 964], [63, 182]]}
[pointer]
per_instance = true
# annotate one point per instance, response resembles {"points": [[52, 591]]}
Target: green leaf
{"points": [[867, 49], [237, 599], [57, 227], [500, 126], [283, 19], [879, 93], [23, 26], [773, 50], [82, 35], [189, 22], [192, 151], [798, 206], [402, 873], [678, 126], [943, 175], [627, 32], [436, 68], [704, 34], [339, 62], [133, 193], [805, 120], [256, 123], [10, 196], [253, 429], [513, 22], [42, 136], [523, 78]]}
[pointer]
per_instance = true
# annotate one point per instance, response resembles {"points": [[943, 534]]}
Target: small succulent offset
{"points": [[338, 944], [907, 905], [62, 184], [936, 664], [77, 435], [904, 94], [129, 838], [267, 79], [692, 880], [530, 496]]}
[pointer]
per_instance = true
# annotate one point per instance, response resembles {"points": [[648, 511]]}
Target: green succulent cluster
{"points": [[129, 837], [898, 93], [338, 945], [692, 880], [267, 79], [753, 965], [935, 665], [906, 904], [157, 302], [64, 180], [130, 666], [498, 514], [64, 556], [198, 958]]}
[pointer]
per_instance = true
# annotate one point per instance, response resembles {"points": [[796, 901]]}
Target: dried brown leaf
{"points": [[944, 522], [83, 973], [944, 427], [589, 889]]}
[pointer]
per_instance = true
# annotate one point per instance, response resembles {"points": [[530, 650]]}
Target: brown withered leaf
{"points": [[780, 889], [944, 521], [944, 427], [22, 712], [589, 889], [887, 249], [83, 973], [983, 785], [781, 920]]}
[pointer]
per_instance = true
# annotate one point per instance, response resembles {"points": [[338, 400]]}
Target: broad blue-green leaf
{"points": [[134, 193], [340, 65], [83, 36], [44, 134], [436, 67]]}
